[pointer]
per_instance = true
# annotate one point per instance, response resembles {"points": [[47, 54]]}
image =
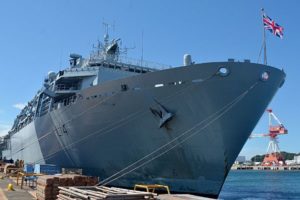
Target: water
{"points": [[260, 185]]}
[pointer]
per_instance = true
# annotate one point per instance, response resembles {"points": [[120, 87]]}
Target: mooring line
{"points": [[229, 105], [120, 122]]}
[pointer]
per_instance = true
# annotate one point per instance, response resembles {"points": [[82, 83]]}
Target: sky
{"points": [[37, 37]]}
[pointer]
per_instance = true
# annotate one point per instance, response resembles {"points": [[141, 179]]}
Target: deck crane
{"points": [[273, 156]]}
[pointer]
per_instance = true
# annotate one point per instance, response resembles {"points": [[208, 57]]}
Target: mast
{"points": [[142, 57], [264, 38]]}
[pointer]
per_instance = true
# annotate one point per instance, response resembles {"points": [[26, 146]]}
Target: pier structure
{"points": [[262, 167], [273, 156]]}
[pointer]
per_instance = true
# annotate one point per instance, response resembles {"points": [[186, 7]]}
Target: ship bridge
{"points": [[106, 63]]}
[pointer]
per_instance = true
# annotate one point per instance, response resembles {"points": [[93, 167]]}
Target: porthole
{"points": [[265, 76], [223, 71]]}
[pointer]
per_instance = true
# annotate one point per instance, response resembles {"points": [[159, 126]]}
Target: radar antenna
{"points": [[110, 49]]}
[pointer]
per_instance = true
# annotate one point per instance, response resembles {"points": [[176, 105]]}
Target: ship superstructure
{"points": [[130, 123], [62, 88]]}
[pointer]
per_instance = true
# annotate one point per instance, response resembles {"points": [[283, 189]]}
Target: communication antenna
{"points": [[60, 59], [113, 26], [107, 26], [142, 57], [125, 49]]}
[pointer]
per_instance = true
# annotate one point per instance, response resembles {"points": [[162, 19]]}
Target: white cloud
{"points": [[19, 106]]}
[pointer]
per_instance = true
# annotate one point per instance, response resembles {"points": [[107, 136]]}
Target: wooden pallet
{"points": [[101, 192]]}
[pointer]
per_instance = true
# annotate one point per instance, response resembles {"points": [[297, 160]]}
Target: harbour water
{"points": [[259, 185]]}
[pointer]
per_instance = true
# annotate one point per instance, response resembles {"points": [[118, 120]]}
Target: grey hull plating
{"points": [[108, 129]]}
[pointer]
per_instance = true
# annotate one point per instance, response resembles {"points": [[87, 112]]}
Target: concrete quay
{"points": [[270, 168], [17, 193], [28, 193]]}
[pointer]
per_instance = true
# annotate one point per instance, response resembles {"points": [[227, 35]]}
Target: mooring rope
{"points": [[118, 123], [225, 109]]}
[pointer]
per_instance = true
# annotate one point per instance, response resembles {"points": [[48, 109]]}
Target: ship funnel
{"points": [[187, 59]]}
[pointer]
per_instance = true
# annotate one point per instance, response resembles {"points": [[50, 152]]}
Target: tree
{"points": [[286, 156]]}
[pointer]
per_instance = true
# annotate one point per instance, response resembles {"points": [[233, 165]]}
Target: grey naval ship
{"points": [[132, 122]]}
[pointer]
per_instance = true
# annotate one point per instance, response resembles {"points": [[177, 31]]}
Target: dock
{"points": [[29, 193], [17, 194], [270, 168], [17, 184]]}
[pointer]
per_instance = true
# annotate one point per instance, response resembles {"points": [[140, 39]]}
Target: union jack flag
{"points": [[273, 27]]}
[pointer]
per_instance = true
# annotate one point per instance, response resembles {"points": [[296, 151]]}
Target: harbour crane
{"points": [[273, 156]]}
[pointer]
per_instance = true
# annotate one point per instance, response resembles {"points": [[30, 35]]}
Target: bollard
{"points": [[10, 187]]}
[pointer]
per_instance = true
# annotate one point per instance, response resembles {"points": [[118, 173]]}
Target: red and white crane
{"points": [[273, 156]]}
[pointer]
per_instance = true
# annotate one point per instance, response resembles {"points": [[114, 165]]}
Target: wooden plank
{"points": [[90, 196], [98, 192], [66, 194], [87, 192], [63, 197], [107, 190], [73, 192], [133, 195], [137, 192], [103, 192]]}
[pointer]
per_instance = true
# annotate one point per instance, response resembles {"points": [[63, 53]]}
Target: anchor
{"points": [[162, 113]]}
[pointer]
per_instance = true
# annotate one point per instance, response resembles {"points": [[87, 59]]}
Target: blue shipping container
{"points": [[46, 169]]}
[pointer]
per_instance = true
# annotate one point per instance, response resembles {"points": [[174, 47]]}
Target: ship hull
{"points": [[114, 134]]}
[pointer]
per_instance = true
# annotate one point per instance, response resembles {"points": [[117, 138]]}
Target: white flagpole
{"points": [[264, 38]]}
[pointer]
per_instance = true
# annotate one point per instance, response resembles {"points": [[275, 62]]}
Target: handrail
{"points": [[124, 60]]}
